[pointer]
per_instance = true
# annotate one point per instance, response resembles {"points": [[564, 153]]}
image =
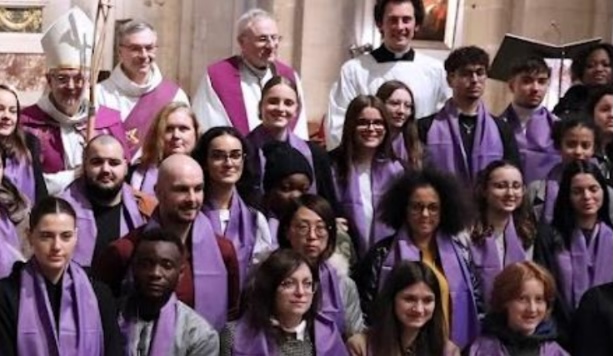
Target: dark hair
{"points": [[418, 6], [384, 333], [322, 208], [579, 64], [456, 210], [343, 156], [15, 144], [561, 127], [508, 285], [465, 56], [201, 153], [529, 65], [155, 234], [50, 205], [273, 82], [596, 93], [260, 292], [523, 218], [563, 212], [413, 145]]}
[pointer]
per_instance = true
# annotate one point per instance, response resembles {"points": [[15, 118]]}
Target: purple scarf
{"points": [[7, 259], [259, 137], [585, 265], [490, 346], [80, 332], [383, 173], [8, 232], [21, 174], [538, 155], [131, 218], [399, 147], [487, 260], [249, 342], [147, 178], [446, 149], [464, 322], [331, 297], [241, 229], [552, 186], [162, 340]]}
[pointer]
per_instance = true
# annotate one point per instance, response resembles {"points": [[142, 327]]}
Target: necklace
{"points": [[468, 127]]}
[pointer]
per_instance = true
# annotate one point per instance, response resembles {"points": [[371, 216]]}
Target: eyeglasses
{"points": [[397, 103], [365, 124], [65, 79], [292, 286], [304, 229], [135, 49], [265, 39], [467, 73], [234, 156], [418, 208]]}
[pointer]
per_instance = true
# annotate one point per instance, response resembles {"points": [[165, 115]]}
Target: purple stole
{"points": [[163, 336], [491, 346], [149, 104], [585, 265], [80, 327], [464, 323], [209, 269], [446, 149], [148, 177], [487, 261], [400, 149], [7, 259], [249, 342], [131, 218], [8, 232], [21, 174], [39, 123], [552, 186], [331, 297], [538, 155], [226, 82], [383, 173], [260, 137], [241, 230]]}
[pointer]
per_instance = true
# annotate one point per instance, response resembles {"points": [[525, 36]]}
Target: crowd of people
{"points": [[426, 226]]}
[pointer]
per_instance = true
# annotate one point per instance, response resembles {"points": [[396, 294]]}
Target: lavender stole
{"points": [[86, 221], [383, 173], [489, 263], [464, 323], [7, 259], [226, 82], [8, 232], [147, 107], [162, 341], [488, 345], [260, 137], [21, 174], [147, 178], [241, 230], [446, 147], [586, 266], [80, 328], [552, 186], [538, 155], [399, 147], [331, 297], [249, 342]]}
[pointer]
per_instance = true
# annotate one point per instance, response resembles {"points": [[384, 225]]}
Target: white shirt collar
{"points": [[299, 330], [129, 88], [44, 102]]}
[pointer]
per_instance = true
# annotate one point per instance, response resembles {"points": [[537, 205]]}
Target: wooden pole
{"points": [[101, 21]]}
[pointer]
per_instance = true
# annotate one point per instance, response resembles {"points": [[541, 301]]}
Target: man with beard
{"points": [[152, 320], [107, 207], [463, 138], [136, 87], [209, 282], [531, 122], [231, 89], [59, 117]]}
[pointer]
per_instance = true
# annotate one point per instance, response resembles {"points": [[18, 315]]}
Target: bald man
{"points": [[107, 207], [209, 283]]}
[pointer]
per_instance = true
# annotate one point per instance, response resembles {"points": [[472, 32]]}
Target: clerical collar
{"points": [[258, 72], [299, 331], [383, 55]]}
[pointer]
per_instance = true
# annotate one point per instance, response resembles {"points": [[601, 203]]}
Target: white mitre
{"points": [[68, 42]]}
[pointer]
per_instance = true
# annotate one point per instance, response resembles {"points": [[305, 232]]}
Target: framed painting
{"points": [[439, 26]]}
